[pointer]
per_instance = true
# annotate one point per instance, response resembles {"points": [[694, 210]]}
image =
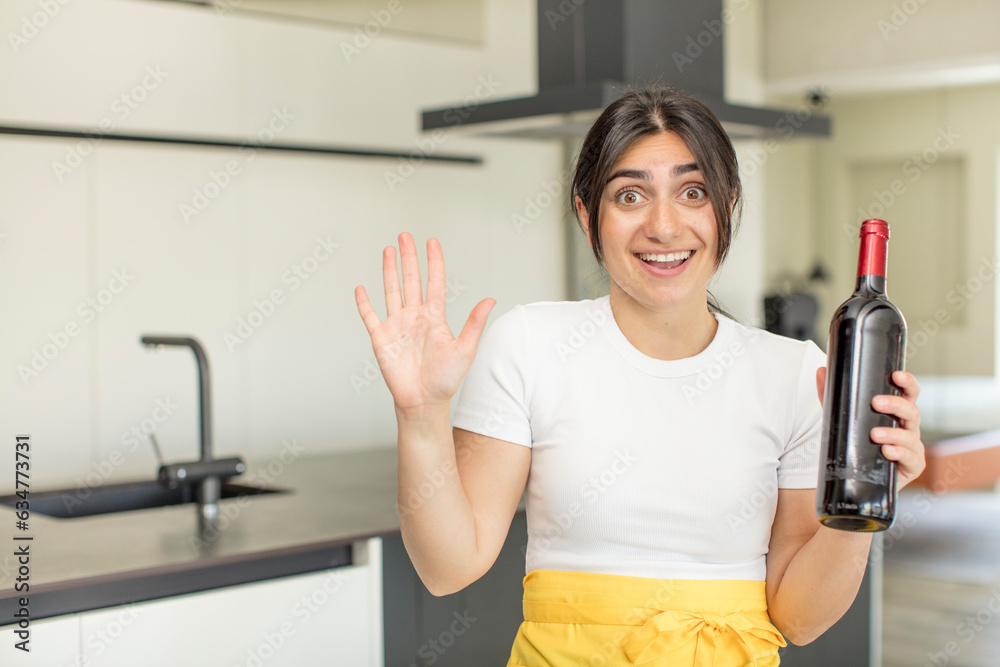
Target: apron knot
{"points": [[700, 635], [714, 621]]}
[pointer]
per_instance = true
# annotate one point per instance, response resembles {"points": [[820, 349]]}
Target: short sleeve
{"points": [[494, 396], [798, 466]]}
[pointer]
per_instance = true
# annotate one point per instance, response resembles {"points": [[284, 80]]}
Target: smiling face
{"points": [[658, 227]]}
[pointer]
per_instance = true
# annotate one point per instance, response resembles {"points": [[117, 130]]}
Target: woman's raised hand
{"points": [[422, 363]]}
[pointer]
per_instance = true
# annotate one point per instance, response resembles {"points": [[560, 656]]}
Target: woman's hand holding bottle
{"points": [[422, 363]]}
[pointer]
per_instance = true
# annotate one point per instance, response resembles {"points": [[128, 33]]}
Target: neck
{"points": [[871, 283], [669, 334]]}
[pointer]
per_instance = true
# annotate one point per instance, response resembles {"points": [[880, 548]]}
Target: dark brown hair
{"points": [[649, 111]]}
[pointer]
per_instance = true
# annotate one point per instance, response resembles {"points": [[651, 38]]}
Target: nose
{"points": [[664, 221]]}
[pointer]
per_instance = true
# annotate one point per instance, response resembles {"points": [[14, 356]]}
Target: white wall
{"points": [[855, 45], [301, 373], [739, 284], [899, 75], [810, 201]]}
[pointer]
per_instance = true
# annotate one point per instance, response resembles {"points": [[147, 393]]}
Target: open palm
{"points": [[422, 363]]}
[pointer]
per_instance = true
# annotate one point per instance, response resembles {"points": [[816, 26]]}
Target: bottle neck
{"points": [[870, 283], [872, 261]]}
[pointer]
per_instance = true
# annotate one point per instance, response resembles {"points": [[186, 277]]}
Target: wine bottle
{"points": [[867, 343]]}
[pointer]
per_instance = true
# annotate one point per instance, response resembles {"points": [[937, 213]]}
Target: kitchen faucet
{"points": [[207, 473]]}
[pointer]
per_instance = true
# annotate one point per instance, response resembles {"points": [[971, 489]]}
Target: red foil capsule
{"points": [[873, 258]]}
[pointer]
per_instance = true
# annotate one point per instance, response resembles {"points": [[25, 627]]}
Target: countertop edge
{"points": [[164, 581], [90, 593], [330, 480]]}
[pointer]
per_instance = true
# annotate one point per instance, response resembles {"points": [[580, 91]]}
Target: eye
{"points": [[628, 197], [694, 193]]}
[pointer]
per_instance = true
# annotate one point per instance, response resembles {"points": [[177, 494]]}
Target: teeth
{"points": [[672, 257]]}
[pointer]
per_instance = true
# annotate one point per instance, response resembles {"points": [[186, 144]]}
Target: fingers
{"points": [[895, 437], [907, 384], [910, 459], [820, 382], [906, 412], [901, 445], [368, 315], [435, 274], [412, 287], [393, 300], [905, 449], [898, 444], [474, 326]]}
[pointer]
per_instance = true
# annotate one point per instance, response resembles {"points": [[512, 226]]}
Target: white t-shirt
{"points": [[641, 466]]}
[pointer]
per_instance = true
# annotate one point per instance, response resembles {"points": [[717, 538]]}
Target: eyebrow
{"points": [[678, 170]]}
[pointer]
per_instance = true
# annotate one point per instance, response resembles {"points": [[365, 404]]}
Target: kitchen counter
{"points": [[93, 562]]}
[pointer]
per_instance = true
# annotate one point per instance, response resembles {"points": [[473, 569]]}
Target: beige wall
{"points": [[307, 373], [855, 45], [948, 195], [459, 20], [897, 74]]}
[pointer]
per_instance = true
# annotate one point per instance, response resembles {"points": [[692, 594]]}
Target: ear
{"points": [[581, 211]]}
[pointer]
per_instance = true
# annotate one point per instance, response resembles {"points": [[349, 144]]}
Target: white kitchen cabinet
{"points": [[331, 617]]}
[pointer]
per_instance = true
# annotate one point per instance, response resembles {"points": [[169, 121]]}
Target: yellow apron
{"points": [[574, 619]]}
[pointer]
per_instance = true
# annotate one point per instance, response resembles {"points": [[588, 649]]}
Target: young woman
{"points": [[673, 452]]}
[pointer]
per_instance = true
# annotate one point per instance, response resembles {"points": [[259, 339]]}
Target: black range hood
{"points": [[590, 51]]}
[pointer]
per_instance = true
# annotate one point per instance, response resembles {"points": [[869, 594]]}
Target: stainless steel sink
{"points": [[110, 498]]}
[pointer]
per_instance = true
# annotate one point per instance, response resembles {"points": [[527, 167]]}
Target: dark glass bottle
{"points": [[857, 485]]}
